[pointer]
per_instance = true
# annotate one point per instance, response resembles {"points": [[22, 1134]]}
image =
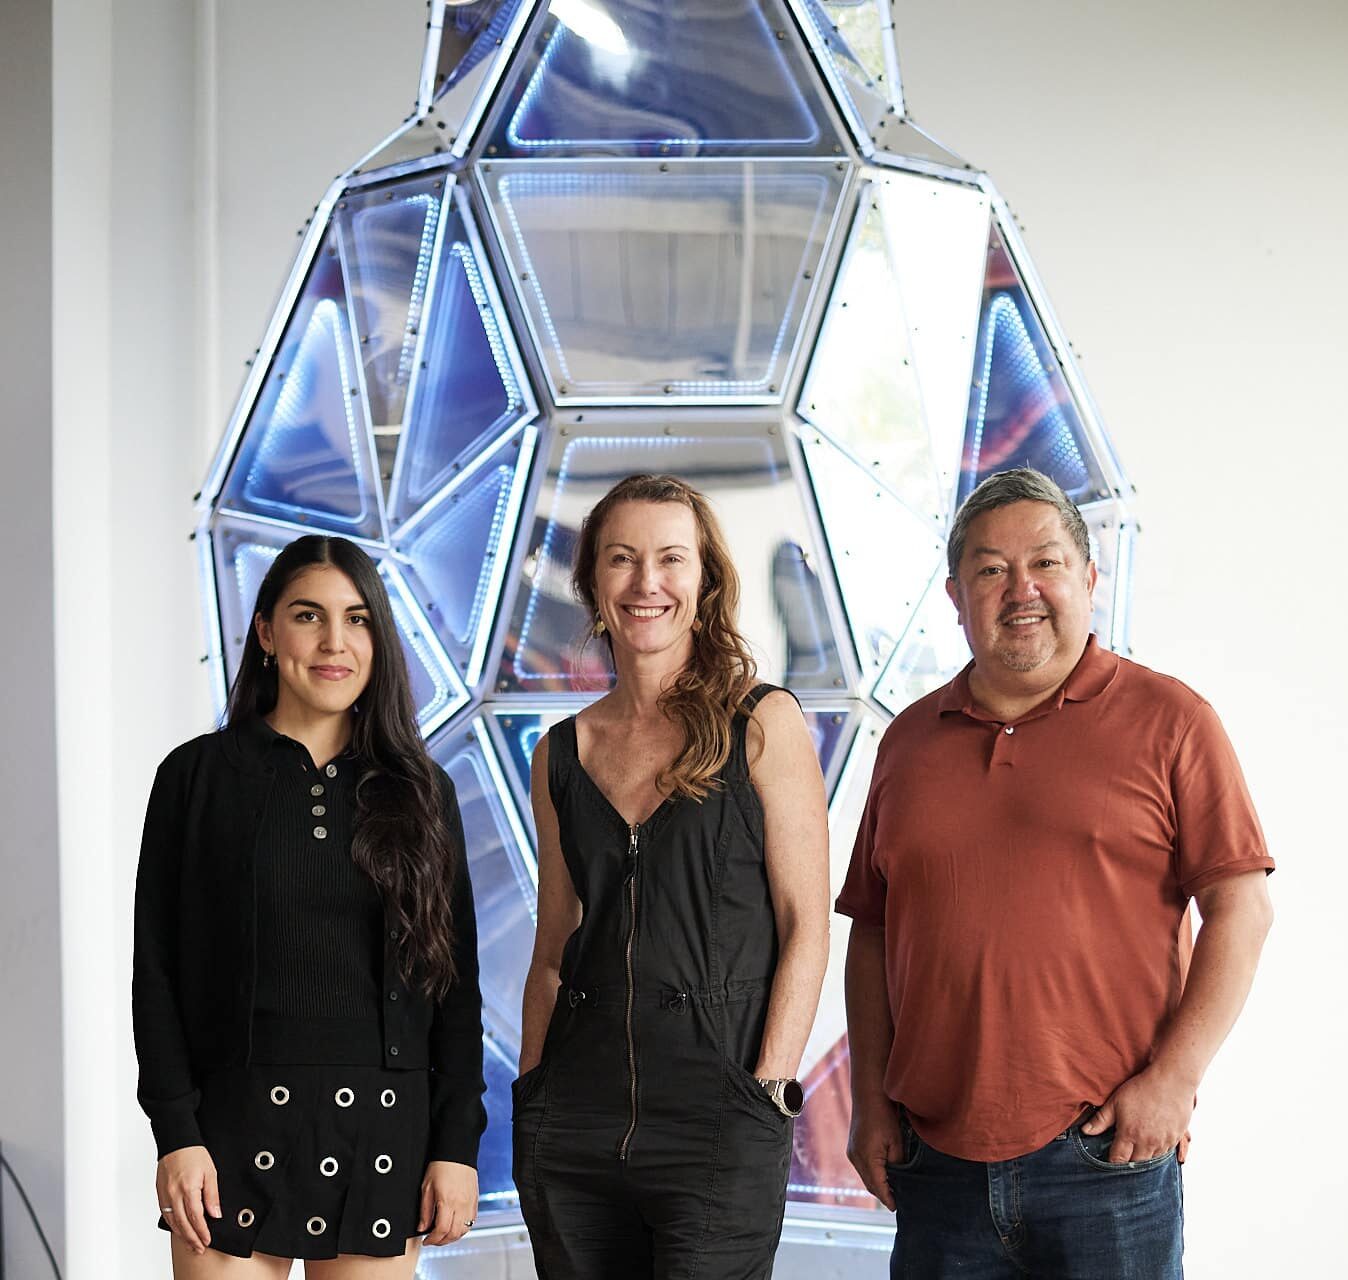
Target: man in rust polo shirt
{"points": [[1025, 1044]]}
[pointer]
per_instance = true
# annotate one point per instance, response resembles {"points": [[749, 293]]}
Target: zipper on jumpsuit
{"points": [[631, 988]]}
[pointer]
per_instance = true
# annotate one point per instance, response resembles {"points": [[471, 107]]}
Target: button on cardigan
{"points": [[194, 971]]}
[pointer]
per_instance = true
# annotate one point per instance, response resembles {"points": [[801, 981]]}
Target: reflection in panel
{"points": [[516, 732], [862, 387], [1021, 412], [467, 392], [306, 455], [437, 690], [472, 42], [931, 651], [663, 77], [883, 554], [505, 896], [1112, 533], [455, 553], [646, 284], [749, 479]]}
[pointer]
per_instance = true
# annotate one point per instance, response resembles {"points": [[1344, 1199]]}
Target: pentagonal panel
{"points": [[504, 879], [659, 282], [244, 551], [469, 387], [783, 611], [862, 387], [883, 554], [1021, 412], [305, 453], [455, 553], [663, 77]]}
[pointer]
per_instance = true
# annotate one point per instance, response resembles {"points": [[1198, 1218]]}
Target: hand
{"points": [[185, 1184], [1150, 1114], [448, 1201], [874, 1141]]}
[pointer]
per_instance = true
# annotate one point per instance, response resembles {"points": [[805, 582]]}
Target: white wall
{"points": [[1175, 170]]}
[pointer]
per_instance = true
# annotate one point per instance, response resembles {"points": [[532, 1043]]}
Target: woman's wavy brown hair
{"points": [[705, 696]]}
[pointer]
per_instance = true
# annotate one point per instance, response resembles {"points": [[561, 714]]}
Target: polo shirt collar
{"points": [[1093, 674]]}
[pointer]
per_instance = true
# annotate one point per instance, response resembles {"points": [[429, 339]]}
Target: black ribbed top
{"points": [[319, 918]]}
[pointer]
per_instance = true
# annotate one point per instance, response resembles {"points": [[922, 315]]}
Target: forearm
{"points": [[870, 1027], [802, 958], [1220, 975], [540, 995]]}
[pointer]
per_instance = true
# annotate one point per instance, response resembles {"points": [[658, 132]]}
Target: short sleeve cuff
{"points": [[861, 912], [1212, 875]]}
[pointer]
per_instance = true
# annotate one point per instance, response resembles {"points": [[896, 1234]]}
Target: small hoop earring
{"points": [[268, 660], [599, 628]]}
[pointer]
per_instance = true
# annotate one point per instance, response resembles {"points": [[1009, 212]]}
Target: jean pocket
{"points": [[913, 1147], [1093, 1151]]}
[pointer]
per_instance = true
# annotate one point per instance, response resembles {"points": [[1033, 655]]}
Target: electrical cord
{"points": [[28, 1204]]}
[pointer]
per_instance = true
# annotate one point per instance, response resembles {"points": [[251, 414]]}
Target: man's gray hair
{"points": [[1021, 484]]}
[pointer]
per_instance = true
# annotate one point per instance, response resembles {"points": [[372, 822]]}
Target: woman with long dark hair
{"points": [[682, 921], [305, 997]]}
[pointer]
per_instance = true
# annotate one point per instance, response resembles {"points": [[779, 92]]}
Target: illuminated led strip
{"points": [[523, 845]]}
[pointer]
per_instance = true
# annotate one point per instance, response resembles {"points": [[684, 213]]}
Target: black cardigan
{"points": [[195, 952]]}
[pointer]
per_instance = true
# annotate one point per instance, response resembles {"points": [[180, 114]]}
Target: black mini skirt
{"points": [[316, 1161]]}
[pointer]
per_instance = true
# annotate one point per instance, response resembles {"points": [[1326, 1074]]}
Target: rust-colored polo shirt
{"points": [[1032, 878]]}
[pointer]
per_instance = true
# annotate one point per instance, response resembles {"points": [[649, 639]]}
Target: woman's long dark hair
{"points": [[402, 841]]}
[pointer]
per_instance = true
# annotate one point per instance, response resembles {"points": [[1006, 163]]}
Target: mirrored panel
{"points": [[854, 41], [862, 388], [1112, 533], [652, 282], [437, 690], [936, 238], [663, 77], [504, 897], [476, 40], [388, 238], [305, 455], [883, 554], [454, 556], [748, 477], [931, 652], [516, 731], [466, 392], [1021, 412]]}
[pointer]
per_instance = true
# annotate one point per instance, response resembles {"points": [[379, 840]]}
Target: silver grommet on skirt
{"points": [[382, 1164], [388, 1098], [344, 1097], [264, 1160], [327, 1166], [315, 1226], [381, 1228], [280, 1095], [245, 1218]]}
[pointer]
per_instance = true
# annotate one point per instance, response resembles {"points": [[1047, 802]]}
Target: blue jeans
{"points": [[1060, 1213]]}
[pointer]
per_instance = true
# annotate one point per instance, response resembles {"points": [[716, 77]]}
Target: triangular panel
{"points": [[1021, 412], [466, 393], [516, 732], [936, 234], [664, 282], [862, 389], [389, 238], [437, 690], [455, 554], [854, 43], [305, 452], [783, 612], [475, 43], [883, 554], [932, 651], [663, 77], [1112, 534]]}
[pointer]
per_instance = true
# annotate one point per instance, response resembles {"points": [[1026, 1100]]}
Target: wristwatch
{"points": [[787, 1095]]}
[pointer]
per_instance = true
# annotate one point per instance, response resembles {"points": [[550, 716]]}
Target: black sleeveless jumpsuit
{"points": [[643, 1145]]}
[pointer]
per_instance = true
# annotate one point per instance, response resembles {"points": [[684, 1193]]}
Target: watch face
{"points": [[793, 1097]]}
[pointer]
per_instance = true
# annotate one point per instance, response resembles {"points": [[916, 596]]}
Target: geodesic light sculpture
{"points": [[697, 236]]}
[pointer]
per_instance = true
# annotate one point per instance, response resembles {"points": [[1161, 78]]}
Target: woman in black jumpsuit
{"points": [[682, 933]]}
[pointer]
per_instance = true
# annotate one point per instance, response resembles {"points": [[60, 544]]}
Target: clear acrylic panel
{"points": [[517, 731], [664, 77], [388, 238], [477, 39], [854, 41], [1112, 533], [931, 653], [644, 281], [305, 454], [466, 393], [454, 556], [1021, 411], [749, 480], [496, 1188], [903, 138], [243, 554], [862, 387], [437, 690], [504, 898], [883, 554]]}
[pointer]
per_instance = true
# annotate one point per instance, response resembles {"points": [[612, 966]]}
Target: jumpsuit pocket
{"points": [[744, 1085], [525, 1087]]}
